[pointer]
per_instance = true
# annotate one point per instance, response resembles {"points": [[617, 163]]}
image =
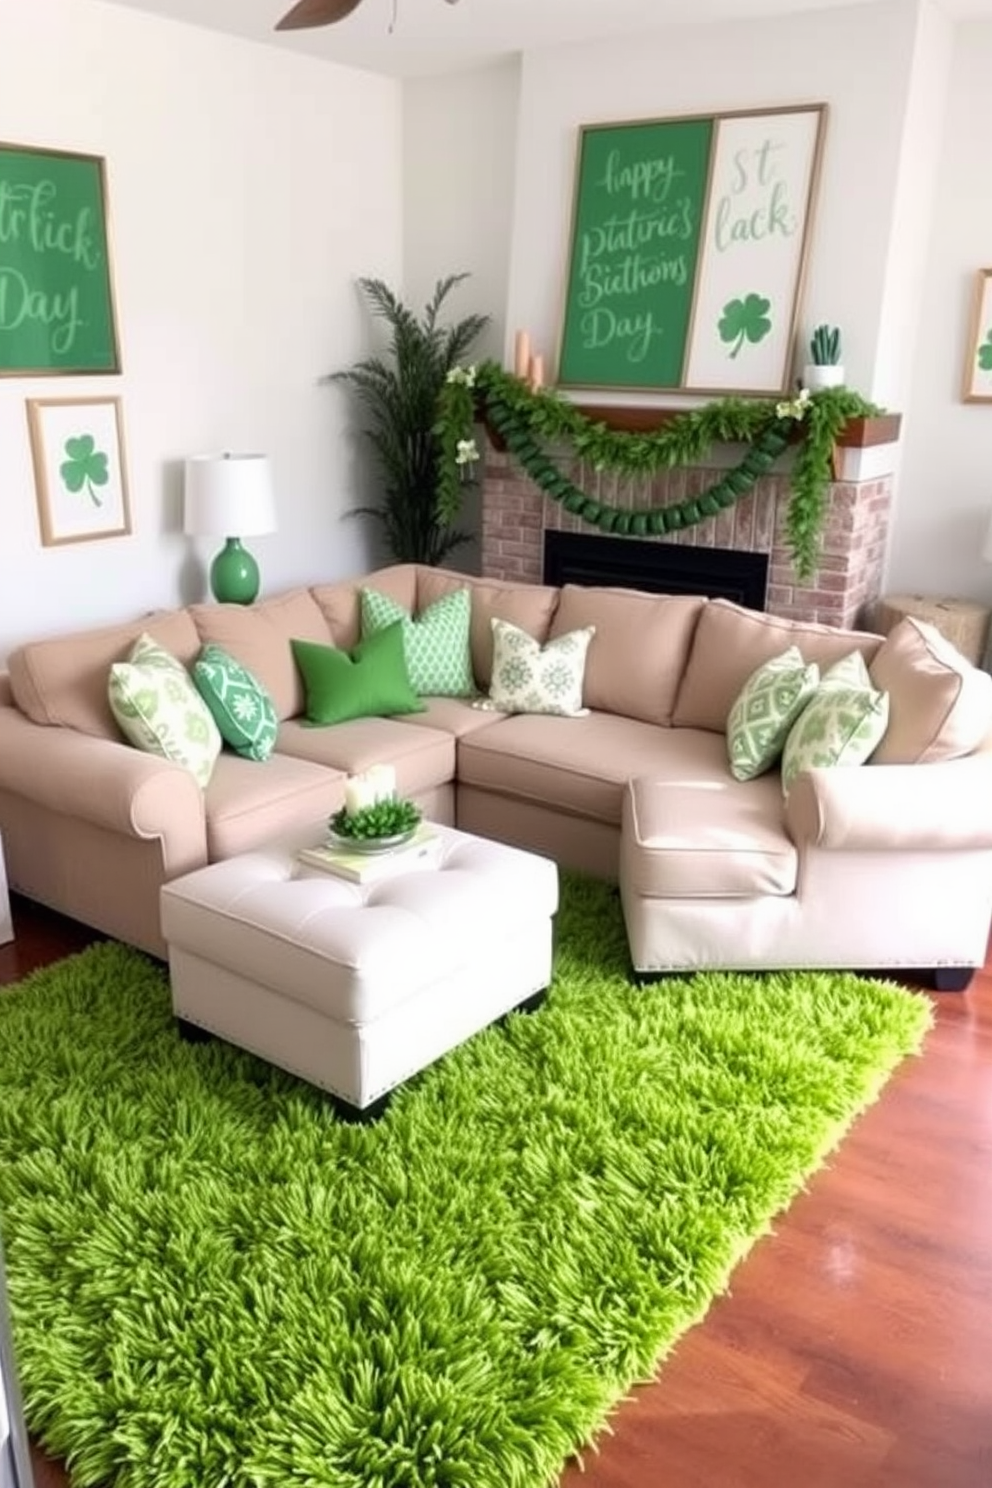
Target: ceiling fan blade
{"points": [[308, 13]]}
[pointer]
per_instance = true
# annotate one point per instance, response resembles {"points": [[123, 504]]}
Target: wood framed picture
{"points": [[978, 357], [688, 250], [56, 284], [80, 470]]}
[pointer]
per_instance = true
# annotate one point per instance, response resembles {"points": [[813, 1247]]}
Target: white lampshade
{"points": [[229, 496]]}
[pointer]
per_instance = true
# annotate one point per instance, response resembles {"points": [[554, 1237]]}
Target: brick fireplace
{"points": [[516, 515]]}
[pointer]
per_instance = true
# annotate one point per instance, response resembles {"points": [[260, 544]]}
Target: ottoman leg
{"points": [[192, 1033], [359, 1115], [532, 1003]]}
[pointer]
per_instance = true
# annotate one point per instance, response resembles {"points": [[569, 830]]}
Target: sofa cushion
{"points": [[340, 603], [730, 641], [369, 681], [159, 710], [940, 706], [642, 643], [423, 758], [690, 841], [531, 678], [249, 804], [435, 642], [531, 607], [840, 726], [241, 707], [258, 636], [580, 766], [62, 681], [765, 709]]}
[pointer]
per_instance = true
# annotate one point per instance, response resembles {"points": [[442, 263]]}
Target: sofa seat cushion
{"points": [[423, 758], [250, 802], [702, 840], [456, 716], [581, 765], [258, 636], [639, 654], [731, 642], [62, 681]]}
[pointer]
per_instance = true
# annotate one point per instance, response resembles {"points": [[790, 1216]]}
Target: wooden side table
{"points": [[963, 622], [6, 923]]}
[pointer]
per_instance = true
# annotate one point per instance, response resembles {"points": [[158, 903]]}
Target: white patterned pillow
{"points": [[531, 678], [851, 671], [435, 642], [841, 726], [765, 709], [159, 710]]}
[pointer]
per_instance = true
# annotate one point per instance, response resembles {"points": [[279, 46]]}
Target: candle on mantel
{"points": [[536, 373], [521, 354]]}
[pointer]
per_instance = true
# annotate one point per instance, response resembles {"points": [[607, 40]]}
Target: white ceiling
{"points": [[431, 36]]}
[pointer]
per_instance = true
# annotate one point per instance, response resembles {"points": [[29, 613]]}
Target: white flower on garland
{"points": [[466, 452], [795, 407], [464, 375]]}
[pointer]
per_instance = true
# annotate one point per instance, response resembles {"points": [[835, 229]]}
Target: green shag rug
{"points": [[217, 1282]]}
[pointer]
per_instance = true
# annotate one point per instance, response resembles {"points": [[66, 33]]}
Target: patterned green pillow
{"points": [[435, 642], [241, 707], [159, 710], [531, 678], [851, 671], [841, 726], [765, 709]]}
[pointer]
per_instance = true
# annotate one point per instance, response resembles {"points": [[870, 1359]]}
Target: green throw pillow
{"points": [[841, 726], [765, 709], [368, 682], [851, 672], [159, 710], [241, 707], [531, 678], [436, 642]]}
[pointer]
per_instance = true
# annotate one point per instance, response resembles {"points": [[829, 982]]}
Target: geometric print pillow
{"points": [[531, 678], [241, 707], [160, 711], [841, 726], [435, 642], [764, 711]]}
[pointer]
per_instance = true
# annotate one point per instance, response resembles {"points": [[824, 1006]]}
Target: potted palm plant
{"points": [[398, 396]]}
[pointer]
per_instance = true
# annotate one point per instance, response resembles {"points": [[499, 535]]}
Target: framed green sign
{"points": [[687, 251], [56, 285]]}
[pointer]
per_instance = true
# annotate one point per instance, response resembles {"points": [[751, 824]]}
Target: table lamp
{"points": [[230, 496]]}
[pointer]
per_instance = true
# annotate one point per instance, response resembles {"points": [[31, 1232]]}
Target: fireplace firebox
{"points": [[658, 567]]}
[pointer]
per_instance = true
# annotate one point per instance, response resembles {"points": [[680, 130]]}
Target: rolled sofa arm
{"points": [[889, 808], [109, 784]]}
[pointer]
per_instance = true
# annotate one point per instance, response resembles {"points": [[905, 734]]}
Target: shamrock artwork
{"points": [[745, 320], [77, 448], [978, 355], [84, 467], [985, 352]]}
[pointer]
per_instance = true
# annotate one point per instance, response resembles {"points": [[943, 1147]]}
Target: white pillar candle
{"points": [[521, 354], [359, 792], [383, 781], [536, 371]]}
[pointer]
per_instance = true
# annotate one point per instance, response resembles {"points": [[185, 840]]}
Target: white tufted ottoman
{"points": [[353, 987]]}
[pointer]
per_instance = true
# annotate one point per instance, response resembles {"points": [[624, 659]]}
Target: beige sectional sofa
{"points": [[883, 866]]}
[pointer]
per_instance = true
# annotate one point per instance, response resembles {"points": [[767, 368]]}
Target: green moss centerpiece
{"points": [[372, 815]]}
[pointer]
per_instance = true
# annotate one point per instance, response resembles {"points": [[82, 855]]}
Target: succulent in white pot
{"points": [[824, 369]]}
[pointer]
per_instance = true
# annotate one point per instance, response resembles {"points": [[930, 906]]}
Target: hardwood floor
{"points": [[854, 1347]]}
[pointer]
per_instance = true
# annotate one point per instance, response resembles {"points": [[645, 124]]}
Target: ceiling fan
{"points": [[311, 13]]}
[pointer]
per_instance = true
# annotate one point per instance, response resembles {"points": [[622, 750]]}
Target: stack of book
{"points": [[422, 851]]}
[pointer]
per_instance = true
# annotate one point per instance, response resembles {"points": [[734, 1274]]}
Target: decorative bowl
{"points": [[372, 844]]}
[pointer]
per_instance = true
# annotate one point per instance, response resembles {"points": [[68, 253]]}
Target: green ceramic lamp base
{"points": [[234, 574]]}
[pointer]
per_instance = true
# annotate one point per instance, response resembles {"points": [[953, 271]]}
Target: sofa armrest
{"points": [[889, 808], [109, 784]]}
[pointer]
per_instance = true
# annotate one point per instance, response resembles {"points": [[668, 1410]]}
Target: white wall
{"points": [[945, 488], [248, 188]]}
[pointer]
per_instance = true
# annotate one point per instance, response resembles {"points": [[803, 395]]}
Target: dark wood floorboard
{"points": [[854, 1347]]}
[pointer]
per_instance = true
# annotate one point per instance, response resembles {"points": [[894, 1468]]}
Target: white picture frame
{"points": [[80, 469], [977, 386]]}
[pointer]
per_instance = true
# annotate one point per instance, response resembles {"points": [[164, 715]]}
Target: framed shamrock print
{"points": [[80, 471], [978, 357]]}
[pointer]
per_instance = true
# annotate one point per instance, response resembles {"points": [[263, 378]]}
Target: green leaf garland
{"points": [[529, 422]]}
